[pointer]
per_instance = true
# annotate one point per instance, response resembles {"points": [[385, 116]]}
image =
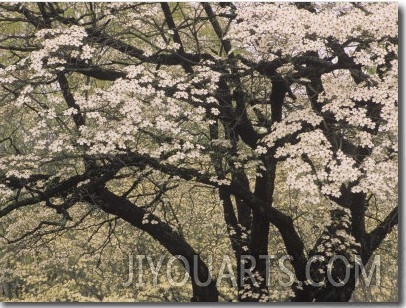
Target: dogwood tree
{"points": [[280, 108]]}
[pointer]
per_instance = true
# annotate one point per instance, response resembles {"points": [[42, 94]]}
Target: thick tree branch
{"points": [[94, 71], [160, 59], [216, 26], [62, 188], [160, 231], [176, 37], [70, 100]]}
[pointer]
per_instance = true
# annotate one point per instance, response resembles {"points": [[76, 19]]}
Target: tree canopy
{"points": [[197, 130]]}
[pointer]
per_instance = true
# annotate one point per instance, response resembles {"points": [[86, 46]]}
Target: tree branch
{"points": [[160, 231], [376, 236]]}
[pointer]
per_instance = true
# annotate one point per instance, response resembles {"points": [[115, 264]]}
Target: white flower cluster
{"points": [[5, 193], [251, 290], [87, 52], [381, 178], [146, 219], [220, 182], [278, 27], [291, 125], [314, 144], [342, 169], [300, 177], [71, 36], [58, 43], [6, 76]]}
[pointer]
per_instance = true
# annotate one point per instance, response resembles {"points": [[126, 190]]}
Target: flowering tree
{"points": [[109, 107]]}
